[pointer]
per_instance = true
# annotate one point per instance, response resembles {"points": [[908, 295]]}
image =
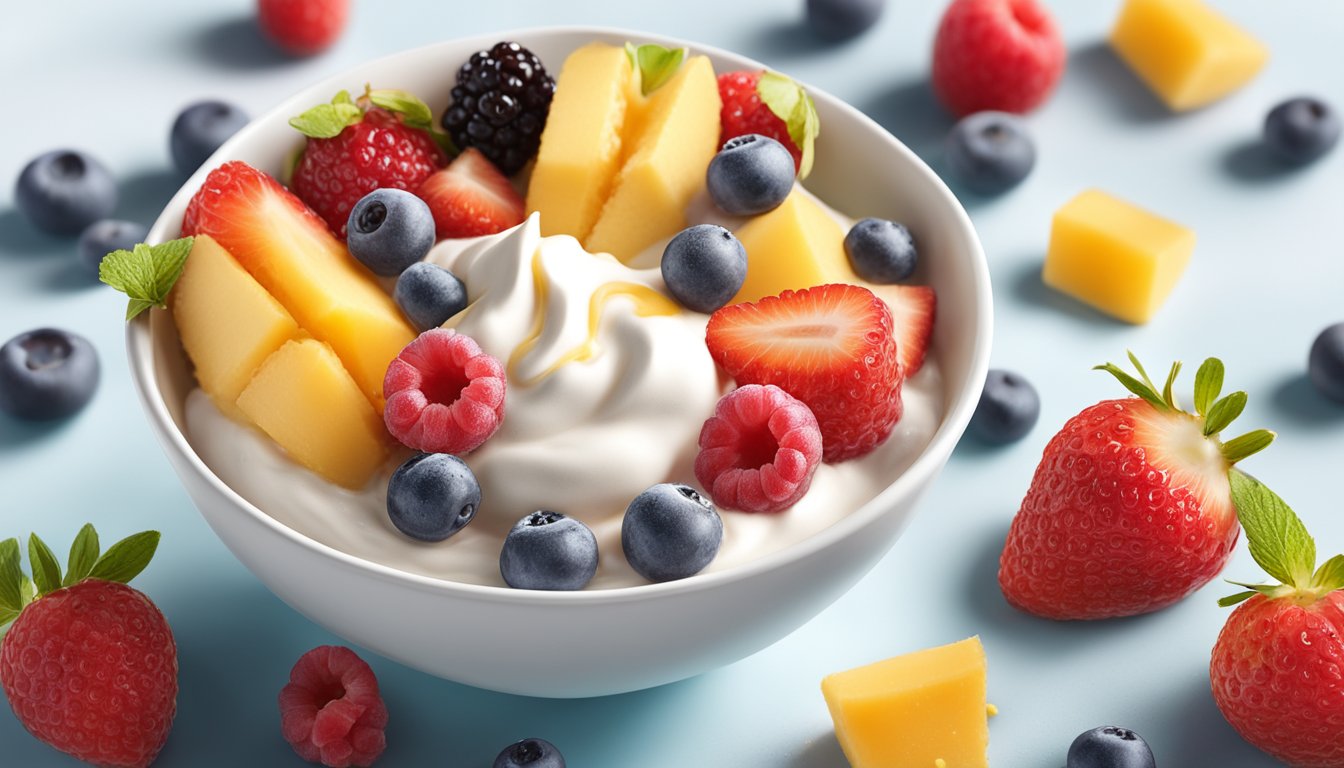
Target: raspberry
{"points": [[444, 395], [331, 712], [1003, 55], [759, 450], [500, 104], [743, 112]]}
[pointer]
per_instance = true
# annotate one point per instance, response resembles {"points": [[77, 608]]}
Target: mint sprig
{"points": [[654, 63], [147, 273], [791, 103]]}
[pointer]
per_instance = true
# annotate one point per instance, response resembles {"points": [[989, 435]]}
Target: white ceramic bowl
{"points": [[611, 640]]}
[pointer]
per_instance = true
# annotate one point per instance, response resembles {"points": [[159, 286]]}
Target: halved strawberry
{"points": [[471, 197], [912, 311], [831, 347]]}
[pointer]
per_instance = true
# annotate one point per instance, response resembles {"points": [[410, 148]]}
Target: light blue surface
{"points": [[1267, 275]]}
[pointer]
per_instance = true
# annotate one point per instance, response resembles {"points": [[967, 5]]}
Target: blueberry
{"points": [[389, 230], [1110, 747], [47, 374], [429, 294], [432, 496], [843, 19], [881, 251], [1301, 130], [1325, 364], [670, 532], [990, 152], [704, 267], [752, 174], [530, 753], [1008, 408], [102, 237], [548, 550], [200, 129], [64, 191]]}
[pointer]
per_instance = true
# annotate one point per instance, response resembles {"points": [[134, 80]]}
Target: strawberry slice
{"points": [[471, 197], [912, 311], [831, 347]]}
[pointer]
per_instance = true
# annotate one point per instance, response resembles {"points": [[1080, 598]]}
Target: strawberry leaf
{"points": [[1278, 540], [1224, 412], [1208, 385], [6, 615], [125, 560], [1251, 443], [1167, 395], [414, 112], [791, 103], [11, 576], [27, 590], [654, 63], [146, 274], [1231, 600], [83, 554], [1141, 388], [46, 571], [1330, 576], [326, 121]]}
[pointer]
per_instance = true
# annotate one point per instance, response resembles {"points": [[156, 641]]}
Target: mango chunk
{"points": [[678, 134], [303, 398], [228, 323], [797, 245], [1186, 51], [915, 711], [1116, 256]]}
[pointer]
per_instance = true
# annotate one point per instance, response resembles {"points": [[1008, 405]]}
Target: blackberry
{"points": [[500, 105]]}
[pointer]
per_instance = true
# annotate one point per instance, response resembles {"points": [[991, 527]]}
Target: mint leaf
{"points": [[1208, 385], [125, 560], [1330, 576], [792, 104], [11, 576], [655, 64], [46, 571], [414, 112], [1278, 540], [147, 274], [1238, 448], [326, 121], [83, 554], [1224, 412]]}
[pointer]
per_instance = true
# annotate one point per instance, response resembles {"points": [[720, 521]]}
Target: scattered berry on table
{"points": [[1325, 363], [1130, 509], [990, 152], [432, 496], [428, 295], [89, 665], [1300, 130], [106, 235], [389, 230], [200, 129], [670, 532], [331, 711], [471, 197], [1008, 408], [759, 450], [500, 105], [47, 374], [444, 395], [830, 346], [550, 551], [843, 19], [302, 27], [752, 174], [704, 267], [881, 251], [530, 753], [1110, 747], [768, 104], [64, 191], [1004, 55]]}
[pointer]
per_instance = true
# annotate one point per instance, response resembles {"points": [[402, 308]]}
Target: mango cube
{"points": [[797, 245], [915, 711], [303, 398], [228, 323], [1187, 52], [1115, 256]]}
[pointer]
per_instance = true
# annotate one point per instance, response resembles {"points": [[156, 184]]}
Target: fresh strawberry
{"points": [[830, 346], [771, 105], [383, 140], [236, 202], [472, 197], [1129, 510], [89, 665], [1275, 669], [913, 308], [1004, 55], [303, 27]]}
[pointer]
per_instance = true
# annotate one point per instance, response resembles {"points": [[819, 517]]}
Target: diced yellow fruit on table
{"points": [[1116, 256], [1185, 50], [914, 710], [581, 145], [678, 136], [228, 323], [797, 245], [303, 398]]}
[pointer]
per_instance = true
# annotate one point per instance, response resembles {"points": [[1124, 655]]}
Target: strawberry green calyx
{"points": [[146, 274], [121, 562], [1215, 414], [791, 103], [326, 121], [1280, 544], [654, 63]]}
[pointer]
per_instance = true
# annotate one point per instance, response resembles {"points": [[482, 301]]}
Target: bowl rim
{"points": [[140, 354]]}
